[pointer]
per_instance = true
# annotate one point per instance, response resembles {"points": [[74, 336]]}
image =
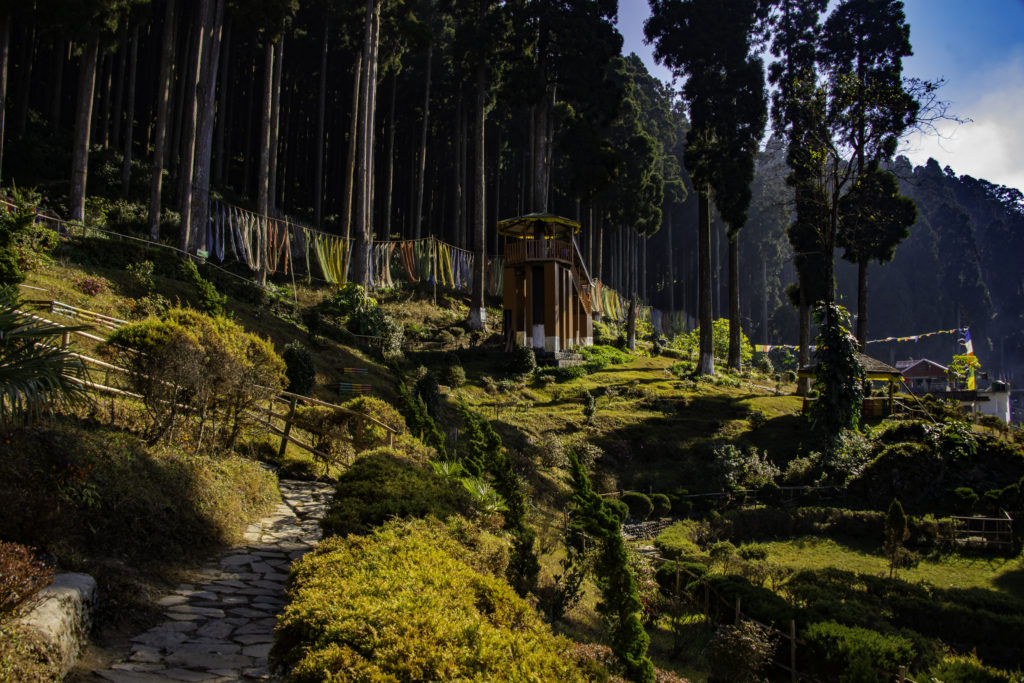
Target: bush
{"points": [[382, 484], [565, 374], [210, 300], [662, 505], [453, 376], [689, 572], [523, 362], [678, 542], [140, 277], [640, 506], [753, 551], [210, 365], [738, 653], [834, 647], [429, 392], [956, 668], [90, 285], [618, 508], [21, 576], [409, 604], [299, 368]]}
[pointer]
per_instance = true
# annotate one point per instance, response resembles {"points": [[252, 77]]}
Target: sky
{"points": [[976, 46]]}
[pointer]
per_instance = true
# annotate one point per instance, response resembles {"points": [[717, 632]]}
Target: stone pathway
{"points": [[220, 628]]}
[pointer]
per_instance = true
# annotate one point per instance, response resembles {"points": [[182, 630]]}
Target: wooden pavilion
{"points": [[875, 371], [547, 288]]}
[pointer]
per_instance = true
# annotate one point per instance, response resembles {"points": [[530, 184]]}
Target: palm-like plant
{"points": [[36, 374]]}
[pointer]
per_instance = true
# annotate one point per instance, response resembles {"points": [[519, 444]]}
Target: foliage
{"points": [[955, 668], [962, 367], [429, 392], [662, 504], [895, 533], [640, 506], [689, 342], [382, 484], [739, 653], [523, 362], [82, 489], [453, 375], [210, 300], [419, 421], [598, 357], [299, 368], [21, 576], [140, 276], [187, 361], [410, 603], [679, 541], [485, 453], [589, 406], [36, 373], [16, 224], [839, 377], [744, 468], [836, 647], [90, 285], [620, 604]]}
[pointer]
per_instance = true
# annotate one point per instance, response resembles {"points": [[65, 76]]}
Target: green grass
{"points": [[944, 571]]}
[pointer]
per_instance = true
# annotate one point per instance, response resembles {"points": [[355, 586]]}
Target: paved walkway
{"points": [[221, 627]]}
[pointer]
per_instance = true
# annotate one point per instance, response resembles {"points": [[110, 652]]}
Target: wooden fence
{"points": [[983, 531]]}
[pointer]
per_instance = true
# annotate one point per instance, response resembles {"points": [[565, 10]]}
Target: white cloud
{"points": [[991, 146]]}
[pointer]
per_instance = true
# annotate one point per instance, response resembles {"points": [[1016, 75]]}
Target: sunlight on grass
{"points": [[943, 571]]}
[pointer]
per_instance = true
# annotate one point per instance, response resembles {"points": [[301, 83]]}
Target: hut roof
{"points": [[873, 369], [525, 226]]}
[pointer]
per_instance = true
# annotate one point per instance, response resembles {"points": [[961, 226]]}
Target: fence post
{"points": [[792, 650], [65, 340], [287, 427], [903, 673]]}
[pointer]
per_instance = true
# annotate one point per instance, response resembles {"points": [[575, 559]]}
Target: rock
{"points": [[61, 616]]}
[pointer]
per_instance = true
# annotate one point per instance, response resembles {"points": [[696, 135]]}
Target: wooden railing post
{"points": [[792, 650], [287, 427]]}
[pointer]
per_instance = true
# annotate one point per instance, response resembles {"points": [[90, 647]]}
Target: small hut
{"points": [[547, 288], [875, 371]]}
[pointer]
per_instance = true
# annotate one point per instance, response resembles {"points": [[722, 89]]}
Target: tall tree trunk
{"points": [[459, 188], [129, 124], [364, 204], [200, 208], [56, 94], [804, 354], [348, 194], [163, 92], [5, 42], [118, 111], [103, 120], [542, 146], [706, 360], [477, 312], [186, 168], [600, 244], [671, 262], [25, 86], [734, 302], [263, 172], [390, 174], [318, 173], [83, 119], [862, 303], [221, 131], [275, 124], [421, 180]]}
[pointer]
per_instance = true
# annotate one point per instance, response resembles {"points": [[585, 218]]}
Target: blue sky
{"points": [[977, 47]]}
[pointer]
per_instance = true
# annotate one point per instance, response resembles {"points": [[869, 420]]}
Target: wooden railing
{"points": [[523, 251]]}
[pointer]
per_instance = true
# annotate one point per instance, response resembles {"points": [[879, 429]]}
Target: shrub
{"points": [[210, 300], [453, 376], [956, 668], [523, 362], [187, 359], [91, 285], [445, 338], [408, 604], [746, 468], [753, 551], [689, 572], [16, 224], [428, 391], [589, 406], [21, 576], [299, 368], [640, 506], [678, 541], [618, 508], [738, 653], [140, 277], [835, 647], [565, 374], [762, 363], [381, 484], [662, 505]]}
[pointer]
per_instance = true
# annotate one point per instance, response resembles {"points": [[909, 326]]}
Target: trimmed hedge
{"points": [[405, 604], [382, 484], [677, 541], [640, 506], [662, 504]]}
